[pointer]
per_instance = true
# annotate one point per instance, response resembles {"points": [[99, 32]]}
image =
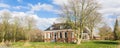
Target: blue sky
{"points": [[24, 6], [46, 11]]}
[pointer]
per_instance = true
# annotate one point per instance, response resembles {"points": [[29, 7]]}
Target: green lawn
{"points": [[90, 44]]}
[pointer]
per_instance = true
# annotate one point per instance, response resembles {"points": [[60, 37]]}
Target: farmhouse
{"points": [[60, 33]]}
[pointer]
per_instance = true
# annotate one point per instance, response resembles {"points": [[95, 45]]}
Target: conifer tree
{"points": [[116, 30]]}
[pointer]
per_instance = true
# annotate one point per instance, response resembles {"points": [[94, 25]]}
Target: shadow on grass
{"points": [[107, 42]]}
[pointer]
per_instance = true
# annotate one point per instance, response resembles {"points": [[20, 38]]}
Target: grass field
{"points": [[90, 44]]}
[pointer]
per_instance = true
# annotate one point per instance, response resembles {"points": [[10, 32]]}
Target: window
{"points": [[65, 34], [60, 34], [50, 35], [55, 35], [61, 27]]}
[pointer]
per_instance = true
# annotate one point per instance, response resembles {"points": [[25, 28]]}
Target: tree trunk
{"points": [[2, 43], [92, 36], [3, 40], [79, 41], [14, 39]]}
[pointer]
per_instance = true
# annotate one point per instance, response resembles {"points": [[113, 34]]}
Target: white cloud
{"points": [[44, 23], [4, 5], [60, 2], [17, 7], [110, 7], [36, 7], [20, 7], [41, 23], [47, 7], [39, 6]]}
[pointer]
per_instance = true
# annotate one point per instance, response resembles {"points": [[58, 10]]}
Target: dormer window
{"points": [[61, 27], [51, 28]]}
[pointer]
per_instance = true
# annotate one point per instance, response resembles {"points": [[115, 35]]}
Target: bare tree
{"points": [[5, 22], [16, 27], [106, 33], [93, 21], [76, 14], [30, 26]]}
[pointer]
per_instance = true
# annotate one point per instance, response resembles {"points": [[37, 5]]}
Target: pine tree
{"points": [[116, 30]]}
